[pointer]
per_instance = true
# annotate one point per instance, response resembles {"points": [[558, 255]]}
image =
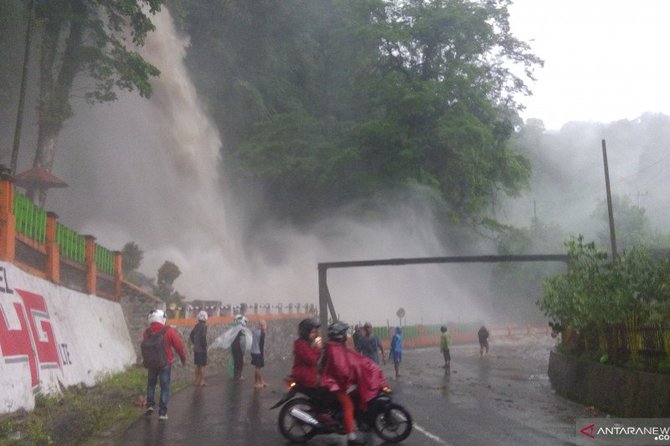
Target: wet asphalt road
{"points": [[505, 399]]}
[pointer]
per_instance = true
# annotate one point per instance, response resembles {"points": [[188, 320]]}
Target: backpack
{"points": [[154, 355]]}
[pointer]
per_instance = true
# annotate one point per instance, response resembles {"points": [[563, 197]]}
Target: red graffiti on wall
{"points": [[26, 334]]}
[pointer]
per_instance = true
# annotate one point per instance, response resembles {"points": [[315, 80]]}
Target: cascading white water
{"points": [[147, 171]]}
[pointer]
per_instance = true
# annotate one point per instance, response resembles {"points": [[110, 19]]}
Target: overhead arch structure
{"points": [[326, 302]]}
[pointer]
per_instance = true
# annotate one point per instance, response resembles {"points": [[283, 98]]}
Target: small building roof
{"points": [[39, 178]]}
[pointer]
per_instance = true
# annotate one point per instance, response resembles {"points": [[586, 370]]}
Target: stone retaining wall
{"points": [[616, 390], [137, 304]]}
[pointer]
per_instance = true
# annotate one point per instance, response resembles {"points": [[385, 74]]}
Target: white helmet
{"points": [[241, 320], [157, 316], [202, 316]]}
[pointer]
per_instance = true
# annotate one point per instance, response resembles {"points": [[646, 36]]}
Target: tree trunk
{"points": [[55, 86], [44, 158]]}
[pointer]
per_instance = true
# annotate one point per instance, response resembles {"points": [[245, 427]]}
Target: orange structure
{"points": [[42, 257]]}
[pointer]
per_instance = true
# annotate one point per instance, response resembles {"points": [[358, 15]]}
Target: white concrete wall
{"points": [[52, 336]]}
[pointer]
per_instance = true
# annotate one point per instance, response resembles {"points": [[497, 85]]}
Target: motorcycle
{"points": [[307, 412]]}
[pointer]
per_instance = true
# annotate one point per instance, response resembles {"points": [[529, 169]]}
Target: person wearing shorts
{"points": [[257, 353], [198, 338]]}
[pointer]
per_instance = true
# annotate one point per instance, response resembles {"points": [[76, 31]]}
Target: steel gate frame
{"points": [[326, 301]]}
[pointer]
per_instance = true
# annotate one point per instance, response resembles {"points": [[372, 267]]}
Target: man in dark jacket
{"points": [[198, 338], [162, 375]]}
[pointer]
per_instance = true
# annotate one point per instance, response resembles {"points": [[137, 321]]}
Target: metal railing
{"points": [[71, 245], [37, 241], [31, 221], [104, 260]]}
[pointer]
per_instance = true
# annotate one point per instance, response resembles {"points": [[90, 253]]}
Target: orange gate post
{"points": [[91, 270], [7, 220]]}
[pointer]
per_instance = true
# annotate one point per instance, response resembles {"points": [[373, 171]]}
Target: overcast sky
{"points": [[605, 60]]}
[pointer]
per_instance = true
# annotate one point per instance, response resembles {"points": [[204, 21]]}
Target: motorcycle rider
{"points": [[339, 377]]}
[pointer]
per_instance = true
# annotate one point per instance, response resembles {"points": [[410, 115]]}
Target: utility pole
{"points": [[22, 92], [609, 202]]}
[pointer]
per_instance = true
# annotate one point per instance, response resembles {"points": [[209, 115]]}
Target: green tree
{"points": [[167, 274], [342, 99], [132, 257], [95, 39], [447, 96], [596, 290], [631, 224]]}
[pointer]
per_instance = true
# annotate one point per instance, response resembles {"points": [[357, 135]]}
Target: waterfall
{"points": [[148, 171]]}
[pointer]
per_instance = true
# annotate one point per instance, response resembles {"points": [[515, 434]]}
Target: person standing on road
{"points": [[238, 339], [257, 353], [370, 345], [356, 337], [198, 338], [159, 362], [239, 345], [445, 343], [483, 335], [395, 354]]}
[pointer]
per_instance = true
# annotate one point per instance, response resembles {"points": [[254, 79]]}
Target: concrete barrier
{"points": [[616, 390], [53, 337]]}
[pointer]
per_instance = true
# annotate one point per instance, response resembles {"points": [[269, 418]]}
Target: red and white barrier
{"points": [[51, 336]]}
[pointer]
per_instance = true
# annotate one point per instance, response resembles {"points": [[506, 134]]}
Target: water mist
{"points": [[148, 171]]}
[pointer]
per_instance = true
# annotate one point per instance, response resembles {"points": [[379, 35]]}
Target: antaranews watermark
{"points": [[623, 431]]}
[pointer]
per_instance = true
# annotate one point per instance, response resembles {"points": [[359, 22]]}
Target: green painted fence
{"points": [[104, 260], [31, 222]]}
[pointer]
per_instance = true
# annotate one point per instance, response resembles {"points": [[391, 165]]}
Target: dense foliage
{"points": [[88, 41], [633, 227], [167, 274], [615, 311], [597, 290], [322, 103]]}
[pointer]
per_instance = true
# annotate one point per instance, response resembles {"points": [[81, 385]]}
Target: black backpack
{"points": [[154, 355]]}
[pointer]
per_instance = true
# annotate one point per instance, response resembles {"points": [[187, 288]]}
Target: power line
{"points": [[649, 166]]}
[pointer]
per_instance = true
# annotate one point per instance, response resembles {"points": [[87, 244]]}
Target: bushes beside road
{"points": [[615, 312]]}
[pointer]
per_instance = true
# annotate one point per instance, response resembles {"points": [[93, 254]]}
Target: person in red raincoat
{"points": [[343, 371], [306, 353]]}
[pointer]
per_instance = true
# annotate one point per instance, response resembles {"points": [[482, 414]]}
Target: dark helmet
{"points": [[306, 326], [337, 331], [443, 328]]}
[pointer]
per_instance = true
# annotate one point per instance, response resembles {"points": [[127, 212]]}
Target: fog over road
{"points": [[505, 399]]}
